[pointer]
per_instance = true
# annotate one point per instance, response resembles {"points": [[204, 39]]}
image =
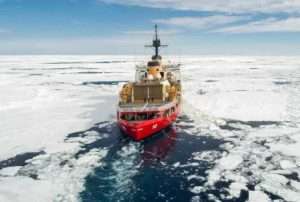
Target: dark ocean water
{"points": [[156, 169]]}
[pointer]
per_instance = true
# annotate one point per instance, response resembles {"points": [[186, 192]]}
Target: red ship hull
{"points": [[139, 130]]}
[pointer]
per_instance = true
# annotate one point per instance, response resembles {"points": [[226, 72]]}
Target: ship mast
{"points": [[156, 44]]}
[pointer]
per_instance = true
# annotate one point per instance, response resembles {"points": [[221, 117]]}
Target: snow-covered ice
{"points": [[42, 100], [252, 102]]}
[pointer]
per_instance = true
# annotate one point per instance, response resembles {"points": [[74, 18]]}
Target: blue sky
{"points": [[212, 27]]}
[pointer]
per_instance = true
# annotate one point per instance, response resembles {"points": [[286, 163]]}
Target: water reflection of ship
{"points": [[159, 146]]}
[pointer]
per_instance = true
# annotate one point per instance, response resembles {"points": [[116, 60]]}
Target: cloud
{"points": [[228, 6], [231, 16], [228, 24], [291, 24], [201, 22], [84, 45], [151, 32]]}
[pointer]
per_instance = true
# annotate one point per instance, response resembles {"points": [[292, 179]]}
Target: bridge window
{"points": [[153, 63], [173, 109], [167, 113], [140, 116], [128, 117]]}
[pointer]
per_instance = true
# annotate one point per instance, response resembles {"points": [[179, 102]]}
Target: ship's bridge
{"points": [[153, 63]]}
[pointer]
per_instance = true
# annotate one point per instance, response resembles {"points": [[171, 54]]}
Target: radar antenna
{"points": [[156, 44]]}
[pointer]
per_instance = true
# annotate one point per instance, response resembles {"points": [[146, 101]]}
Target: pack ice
{"points": [[252, 103]]}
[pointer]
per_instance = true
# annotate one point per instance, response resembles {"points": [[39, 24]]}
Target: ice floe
{"points": [[253, 104]]}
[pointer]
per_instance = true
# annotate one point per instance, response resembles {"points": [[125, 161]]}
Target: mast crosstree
{"points": [[156, 44]]}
